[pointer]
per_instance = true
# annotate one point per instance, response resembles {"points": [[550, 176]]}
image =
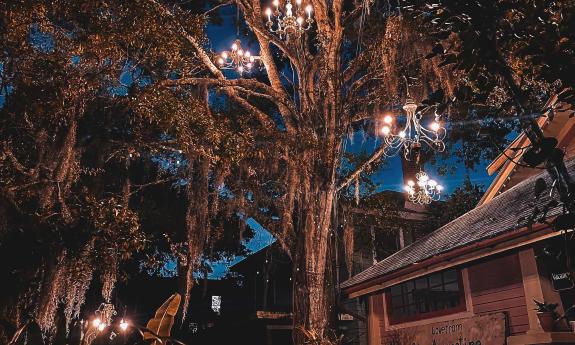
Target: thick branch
{"points": [[355, 174]]}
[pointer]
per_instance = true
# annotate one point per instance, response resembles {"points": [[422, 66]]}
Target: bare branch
{"points": [[377, 154]]}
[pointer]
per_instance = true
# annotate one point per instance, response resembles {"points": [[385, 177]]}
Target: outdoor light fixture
{"points": [[424, 190], [237, 58], [291, 21], [413, 134], [124, 325]]}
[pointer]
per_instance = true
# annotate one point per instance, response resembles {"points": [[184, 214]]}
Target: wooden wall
{"points": [[496, 286]]}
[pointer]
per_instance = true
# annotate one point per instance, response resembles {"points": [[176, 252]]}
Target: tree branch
{"points": [[347, 180]]}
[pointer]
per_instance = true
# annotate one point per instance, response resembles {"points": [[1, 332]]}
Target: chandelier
{"points": [[290, 22], [424, 191], [237, 58], [413, 134]]}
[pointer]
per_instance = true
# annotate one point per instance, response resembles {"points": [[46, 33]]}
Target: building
{"points": [[473, 280]]}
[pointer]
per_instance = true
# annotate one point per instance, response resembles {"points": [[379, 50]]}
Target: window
{"points": [[433, 295]]}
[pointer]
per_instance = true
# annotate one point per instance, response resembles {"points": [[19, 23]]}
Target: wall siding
{"points": [[497, 286]]}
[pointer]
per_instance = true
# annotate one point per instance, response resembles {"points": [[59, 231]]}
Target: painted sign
{"points": [[562, 281], [479, 330]]}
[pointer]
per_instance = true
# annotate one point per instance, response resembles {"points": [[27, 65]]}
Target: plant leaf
{"points": [[163, 320]]}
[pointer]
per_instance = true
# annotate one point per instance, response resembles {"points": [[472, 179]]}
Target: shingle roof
{"points": [[489, 220]]}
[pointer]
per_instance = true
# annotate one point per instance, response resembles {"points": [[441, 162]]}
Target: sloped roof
{"points": [[489, 220]]}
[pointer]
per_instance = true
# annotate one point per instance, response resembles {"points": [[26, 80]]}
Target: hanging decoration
{"points": [[413, 134], [290, 22], [237, 58], [424, 190]]}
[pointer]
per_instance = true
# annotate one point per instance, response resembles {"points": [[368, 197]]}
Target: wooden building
{"points": [[473, 281]]}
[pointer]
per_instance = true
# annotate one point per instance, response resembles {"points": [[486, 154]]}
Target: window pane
{"points": [[452, 286], [396, 301], [450, 276], [435, 280], [396, 290], [421, 284]]}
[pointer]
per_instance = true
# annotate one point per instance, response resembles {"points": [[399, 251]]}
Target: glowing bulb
{"points": [[269, 13], [388, 119], [252, 59], [424, 178], [240, 52], [298, 2], [407, 188], [410, 183], [288, 9], [221, 61], [249, 65], [402, 134], [308, 9], [96, 322], [224, 55], [385, 130], [300, 20], [123, 325], [439, 188], [101, 326], [434, 126], [276, 3], [432, 183], [234, 47], [240, 69], [247, 54]]}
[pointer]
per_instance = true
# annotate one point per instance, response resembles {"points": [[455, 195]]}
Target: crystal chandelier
{"points": [[413, 133], [237, 58], [424, 191], [290, 22]]}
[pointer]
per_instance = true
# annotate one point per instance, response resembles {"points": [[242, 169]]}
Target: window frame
{"points": [[423, 316]]}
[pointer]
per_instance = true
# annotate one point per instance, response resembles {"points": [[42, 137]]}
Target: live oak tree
{"points": [[91, 86]]}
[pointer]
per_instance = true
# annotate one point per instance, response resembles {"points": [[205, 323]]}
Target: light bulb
{"points": [[247, 54], [424, 178], [224, 55], [402, 134], [269, 13], [252, 59], [123, 325], [96, 322], [276, 3], [298, 2], [410, 183], [308, 9], [101, 326], [432, 183], [221, 61], [407, 188], [385, 130], [249, 65], [388, 119], [434, 126], [288, 9], [439, 188], [240, 69], [300, 20], [234, 47], [240, 52]]}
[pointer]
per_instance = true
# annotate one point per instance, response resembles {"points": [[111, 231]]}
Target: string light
{"points": [[291, 22], [124, 325]]}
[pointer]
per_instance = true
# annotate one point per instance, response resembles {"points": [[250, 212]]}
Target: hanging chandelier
{"points": [[237, 58], [413, 134], [291, 22], [424, 190]]}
